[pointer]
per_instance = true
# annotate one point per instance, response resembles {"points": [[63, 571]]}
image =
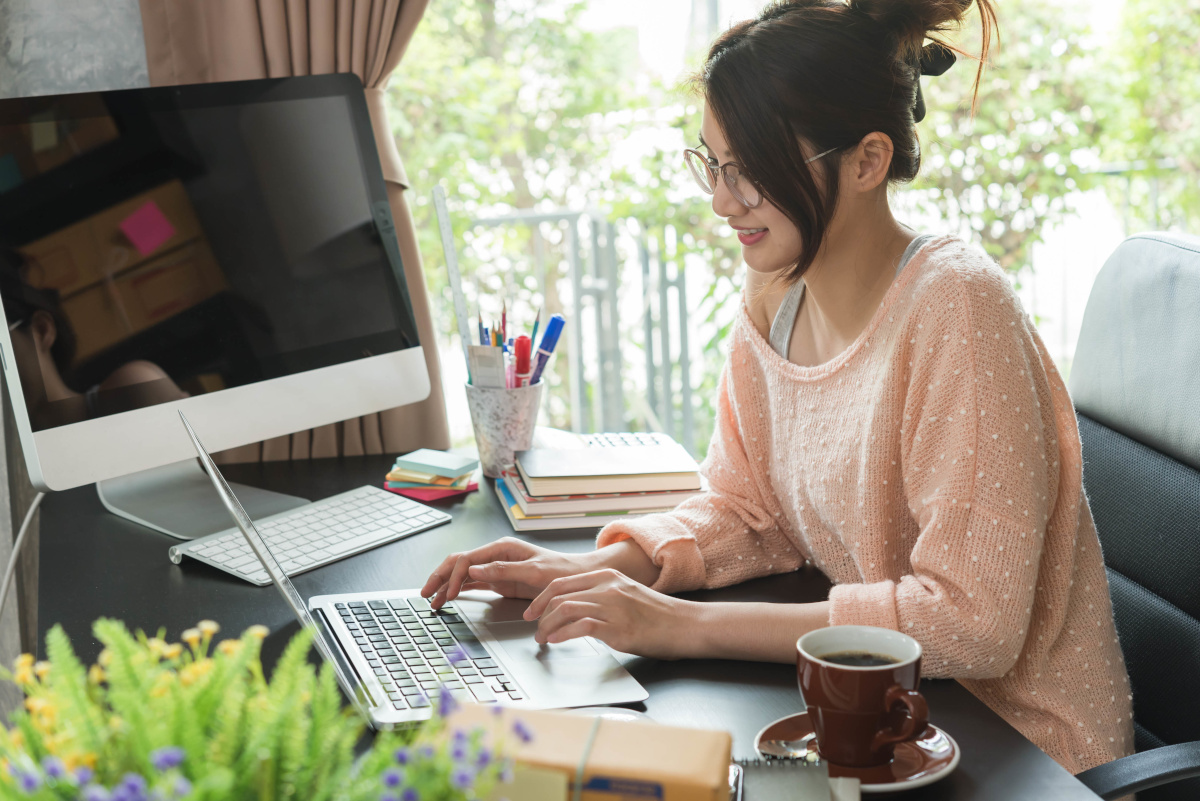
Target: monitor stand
{"points": [[180, 500]]}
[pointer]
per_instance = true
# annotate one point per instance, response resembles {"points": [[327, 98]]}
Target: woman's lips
{"points": [[750, 238]]}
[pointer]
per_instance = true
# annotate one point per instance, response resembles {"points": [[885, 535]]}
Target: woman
{"points": [[887, 413]]}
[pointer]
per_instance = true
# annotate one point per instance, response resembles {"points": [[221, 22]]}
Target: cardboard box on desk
{"points": [[82, 254], [627, 759], [111, 311]]}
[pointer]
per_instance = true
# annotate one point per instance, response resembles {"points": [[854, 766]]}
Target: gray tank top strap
{"points": [[785, 318]]}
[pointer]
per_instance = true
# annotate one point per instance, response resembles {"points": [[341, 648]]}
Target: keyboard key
{"points": [[473, 679], [516, 696], [484, 663], [493, 671], [419, 702], [398, 604], [419, 604], [482, 694], [400, 705], [411, 691]]}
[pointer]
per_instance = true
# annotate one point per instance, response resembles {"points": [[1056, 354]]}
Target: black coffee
{"points": [[860, 659]]}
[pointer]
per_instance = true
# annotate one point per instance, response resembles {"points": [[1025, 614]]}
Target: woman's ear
{"points": [[870, 162], [44, 331]]}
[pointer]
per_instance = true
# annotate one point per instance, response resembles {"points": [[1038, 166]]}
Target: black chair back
{"points": [[1135, 381]]}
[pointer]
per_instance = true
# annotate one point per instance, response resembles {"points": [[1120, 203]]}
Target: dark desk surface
{"points": [[94, 564]]}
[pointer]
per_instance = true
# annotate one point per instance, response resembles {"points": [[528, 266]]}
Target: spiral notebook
{"points": [[787, 780]]}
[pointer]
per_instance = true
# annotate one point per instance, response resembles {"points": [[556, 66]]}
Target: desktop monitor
{"points": [[225, 250]]}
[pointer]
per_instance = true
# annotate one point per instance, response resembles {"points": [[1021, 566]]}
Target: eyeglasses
{"points": [[705, 170]]}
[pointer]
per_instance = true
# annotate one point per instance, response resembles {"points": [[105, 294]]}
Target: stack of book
{"points": [[590, 486], [428, 475]]}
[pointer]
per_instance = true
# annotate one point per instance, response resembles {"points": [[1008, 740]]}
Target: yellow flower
{"points": [[163, 685], [229, 647], [24, 660], [96, 674], [34, 703], [208, 627], [18, 739], [156, 646], [24, 675], [105, 658], [191, 637], [258, 631], [42, 669], [173, 651]]}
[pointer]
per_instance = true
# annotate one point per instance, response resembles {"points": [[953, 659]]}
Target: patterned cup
{"points": [[504, 420]]}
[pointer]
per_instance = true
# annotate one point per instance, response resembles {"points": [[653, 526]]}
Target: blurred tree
{"points": [[1002, 175], [1153, 114]]}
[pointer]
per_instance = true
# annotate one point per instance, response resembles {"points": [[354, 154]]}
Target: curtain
{"points": [[198, 41]]}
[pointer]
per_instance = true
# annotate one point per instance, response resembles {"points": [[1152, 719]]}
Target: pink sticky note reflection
{"points": [[147, 228]]}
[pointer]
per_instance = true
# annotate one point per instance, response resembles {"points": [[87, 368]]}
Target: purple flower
{"points": [[483, 758], [446, 702], [84, 774], [29, 781], [53, 767], [458, 752], [131, 788], [460, 736], [462, 778], [506, 771], [402, 756], [497, 710], [523, 732], [457, 656], [164, 759], [182, 787], [94, 792], [392, 778], [388, 797], [410, 794], [426, 751]]}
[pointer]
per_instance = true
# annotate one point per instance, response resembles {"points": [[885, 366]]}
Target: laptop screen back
{"points": [[353, 687]]}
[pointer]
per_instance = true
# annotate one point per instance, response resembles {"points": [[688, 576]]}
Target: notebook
{"points": [[783, 780], [663, 467], [591, 502], [522, 522]]}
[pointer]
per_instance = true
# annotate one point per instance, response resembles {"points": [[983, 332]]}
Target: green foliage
{"points": [[1153, 113], [1002, 175], [154, 719]]}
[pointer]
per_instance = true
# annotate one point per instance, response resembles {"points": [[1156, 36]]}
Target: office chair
{"points": [[1136, 385]]}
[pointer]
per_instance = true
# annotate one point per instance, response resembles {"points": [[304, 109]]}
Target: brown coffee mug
{"points": [[859, 712]]}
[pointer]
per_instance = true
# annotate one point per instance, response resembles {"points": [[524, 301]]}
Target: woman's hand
{"points": [[509, 566], [623, 613]]}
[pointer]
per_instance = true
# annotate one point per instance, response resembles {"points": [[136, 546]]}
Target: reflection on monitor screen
{"points": [[151, 251]]}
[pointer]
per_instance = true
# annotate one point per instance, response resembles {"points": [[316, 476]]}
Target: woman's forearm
{"points": [[752, 631], [626, 557]]}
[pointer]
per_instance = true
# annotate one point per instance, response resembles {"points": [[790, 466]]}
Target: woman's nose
{"points": [[724, 204]]}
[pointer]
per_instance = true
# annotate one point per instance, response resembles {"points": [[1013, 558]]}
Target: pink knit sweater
{"points": [[933, 472]]}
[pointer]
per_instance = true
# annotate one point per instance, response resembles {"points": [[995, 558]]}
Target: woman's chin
{"points": [[760, 262]]}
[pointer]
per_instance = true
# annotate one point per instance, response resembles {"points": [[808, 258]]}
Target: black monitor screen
{"points": [[165, 242]]}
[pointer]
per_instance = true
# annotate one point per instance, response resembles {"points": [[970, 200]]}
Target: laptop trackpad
{"points": [[516, 640]]}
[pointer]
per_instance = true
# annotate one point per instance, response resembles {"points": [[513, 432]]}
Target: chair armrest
{"points": [[1138, 772]]}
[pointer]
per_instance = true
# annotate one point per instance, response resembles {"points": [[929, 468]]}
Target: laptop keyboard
{"points": [[612, 440], [315, 535], [408, 646]]}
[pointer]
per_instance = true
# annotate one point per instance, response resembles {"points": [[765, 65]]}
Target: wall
{"points": [[53, 46]]}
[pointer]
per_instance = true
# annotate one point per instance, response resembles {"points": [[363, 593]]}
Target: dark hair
{"points": [[21, 301], [829, 73]]}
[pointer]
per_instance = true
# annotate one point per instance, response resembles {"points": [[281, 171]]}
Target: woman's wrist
{"points": [[625, 557]]}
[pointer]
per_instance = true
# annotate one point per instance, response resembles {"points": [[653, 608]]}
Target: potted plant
{"points": [[154, 720]]}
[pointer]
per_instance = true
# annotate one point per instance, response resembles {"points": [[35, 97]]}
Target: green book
{"points": [[439, 463]]}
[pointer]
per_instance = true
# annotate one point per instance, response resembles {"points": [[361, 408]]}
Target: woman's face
{"points": [[777, 245]]}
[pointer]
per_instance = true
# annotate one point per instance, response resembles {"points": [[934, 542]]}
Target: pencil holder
{"points": [[504, 420]]}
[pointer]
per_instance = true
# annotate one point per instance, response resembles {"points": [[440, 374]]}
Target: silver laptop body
{"points": [[391, 652]]}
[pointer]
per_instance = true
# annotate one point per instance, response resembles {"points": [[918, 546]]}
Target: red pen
{"points": [[523, 348]]}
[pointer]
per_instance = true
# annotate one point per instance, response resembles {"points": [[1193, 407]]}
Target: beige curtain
{"points": [[197, 41]]}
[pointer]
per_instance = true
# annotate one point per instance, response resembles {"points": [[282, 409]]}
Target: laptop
{"points": [[391, 652]]}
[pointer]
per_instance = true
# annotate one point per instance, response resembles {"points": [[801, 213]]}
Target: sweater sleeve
{"points": [[728, 534], [980, 465]]}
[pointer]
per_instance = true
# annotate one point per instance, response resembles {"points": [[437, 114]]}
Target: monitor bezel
{"points": [[116, 445]]}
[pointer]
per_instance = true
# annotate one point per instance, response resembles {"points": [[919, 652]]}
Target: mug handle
{"points": [[914, 724]]}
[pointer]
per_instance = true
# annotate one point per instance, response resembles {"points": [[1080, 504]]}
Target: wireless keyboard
{"points": [[311, 536]]}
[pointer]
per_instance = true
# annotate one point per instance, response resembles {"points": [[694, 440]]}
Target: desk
{"points": [[94, 564]]}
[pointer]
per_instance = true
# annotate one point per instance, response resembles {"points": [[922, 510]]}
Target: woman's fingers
{"points": [[584, 627], [442, 579], [564, 585], [564, 611], [438, 577]]}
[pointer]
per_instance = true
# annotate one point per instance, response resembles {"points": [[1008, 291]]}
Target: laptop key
{"points": [[419, 604], [418, 702], [492, 671], [482, 693], [484, 663], [516, 696], [473, 679], [401, 705], [411, 691]]}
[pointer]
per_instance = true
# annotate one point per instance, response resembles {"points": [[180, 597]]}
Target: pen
{"points": [[546, 349], [482, 330], [504, 322], [522, 349], [536, 321]]}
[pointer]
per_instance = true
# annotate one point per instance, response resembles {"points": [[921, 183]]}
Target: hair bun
{"points": [[912, 21]]}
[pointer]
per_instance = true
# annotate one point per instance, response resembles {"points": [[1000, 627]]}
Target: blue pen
{"points": [[546, 349]]}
